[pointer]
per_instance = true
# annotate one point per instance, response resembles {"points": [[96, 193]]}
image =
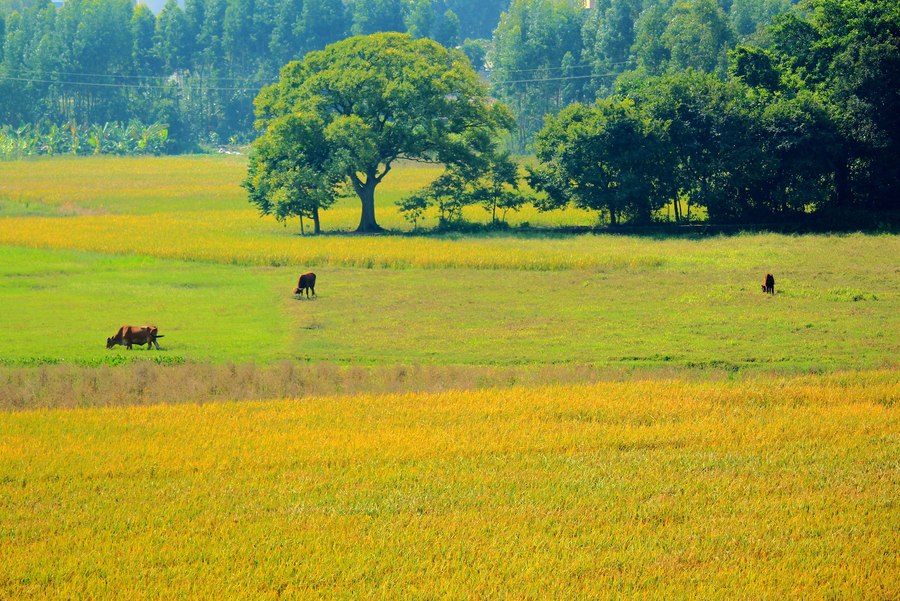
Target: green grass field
{"points": [[672, 432], [688, 310]]}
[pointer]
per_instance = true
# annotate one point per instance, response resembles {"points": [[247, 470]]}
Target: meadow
{"points": [[151, 185], [509, 414], [844, 316], [216, 280]]}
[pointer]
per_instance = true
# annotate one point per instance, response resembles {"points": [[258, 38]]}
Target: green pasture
{"points": [[63, 304]]}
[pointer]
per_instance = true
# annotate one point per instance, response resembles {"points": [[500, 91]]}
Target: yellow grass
{"points": [[764, 488], [142, 185], [237, 237]]}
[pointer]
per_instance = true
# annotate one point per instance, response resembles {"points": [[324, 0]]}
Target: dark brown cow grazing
{"points": [[307, 282], [769, 285], [129, 335]]}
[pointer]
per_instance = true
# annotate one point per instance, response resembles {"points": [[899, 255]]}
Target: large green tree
{"points": [[383, 98], [603, 157]]}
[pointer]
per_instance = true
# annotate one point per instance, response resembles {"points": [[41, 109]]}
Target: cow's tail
{"points": [[159, 336]]}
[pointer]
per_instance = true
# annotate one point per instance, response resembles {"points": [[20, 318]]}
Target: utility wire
{"points": [[255, 85], [583, 65], [54, 72], [133, 86], [513, 81], [122, 76]]}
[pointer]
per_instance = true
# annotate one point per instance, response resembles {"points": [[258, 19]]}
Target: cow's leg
{"points": [[155, 343], [314, 290], [128, 344]]}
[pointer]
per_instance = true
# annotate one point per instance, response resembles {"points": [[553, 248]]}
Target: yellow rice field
{"points": [[767, 488], [152, 185], [236, 237]]}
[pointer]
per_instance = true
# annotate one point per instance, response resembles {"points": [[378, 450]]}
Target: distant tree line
{"points": [[548, 54], [804, 121], [753, 110], [196, 69], [799, 124]]}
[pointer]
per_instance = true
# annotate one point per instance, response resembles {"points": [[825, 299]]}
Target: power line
{"points": [[512, 81], [123, 76], [255, 85], [40, 72], [561, 68], [122, 85]]}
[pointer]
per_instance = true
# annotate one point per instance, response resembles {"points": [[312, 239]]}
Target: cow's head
{"points": [[110, 342], [296, 290]]}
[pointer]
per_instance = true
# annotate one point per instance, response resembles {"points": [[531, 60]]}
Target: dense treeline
{"points": [[804, 121], [196, 68], [548, 54]]}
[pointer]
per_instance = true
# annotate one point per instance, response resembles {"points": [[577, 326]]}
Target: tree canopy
{"points": [[604, 157], [372, 101]]}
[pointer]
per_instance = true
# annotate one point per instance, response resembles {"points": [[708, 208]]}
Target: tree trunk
{"points": [[302, 233], [316, 228], [366, 192], [843, 195]]}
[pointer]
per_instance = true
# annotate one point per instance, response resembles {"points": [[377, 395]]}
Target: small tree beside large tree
{"points": [[342, 118]]}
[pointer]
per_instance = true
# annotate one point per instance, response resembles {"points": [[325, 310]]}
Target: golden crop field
{"points": [[104, 185], [762, 488], [235, 237]]}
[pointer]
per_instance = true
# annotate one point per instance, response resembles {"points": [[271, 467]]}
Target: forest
{"points": [[750, 110]]}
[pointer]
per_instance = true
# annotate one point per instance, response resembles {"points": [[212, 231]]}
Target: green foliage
{"points": [[847, 54], [530, 44], [197, 66], [290, 171], [413, 208], [494, 185], [605, 157], [698, 34], [476, 52], [379, 99], [130, 139], [755, 67]]}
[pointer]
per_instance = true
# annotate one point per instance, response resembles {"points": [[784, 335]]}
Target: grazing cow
{"points": [[129, 335], [307, 282], [769, 285]]}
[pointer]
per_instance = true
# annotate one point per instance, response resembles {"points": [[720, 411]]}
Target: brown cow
{"points": [[307, 282], [129, 335], [769, 285]]}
